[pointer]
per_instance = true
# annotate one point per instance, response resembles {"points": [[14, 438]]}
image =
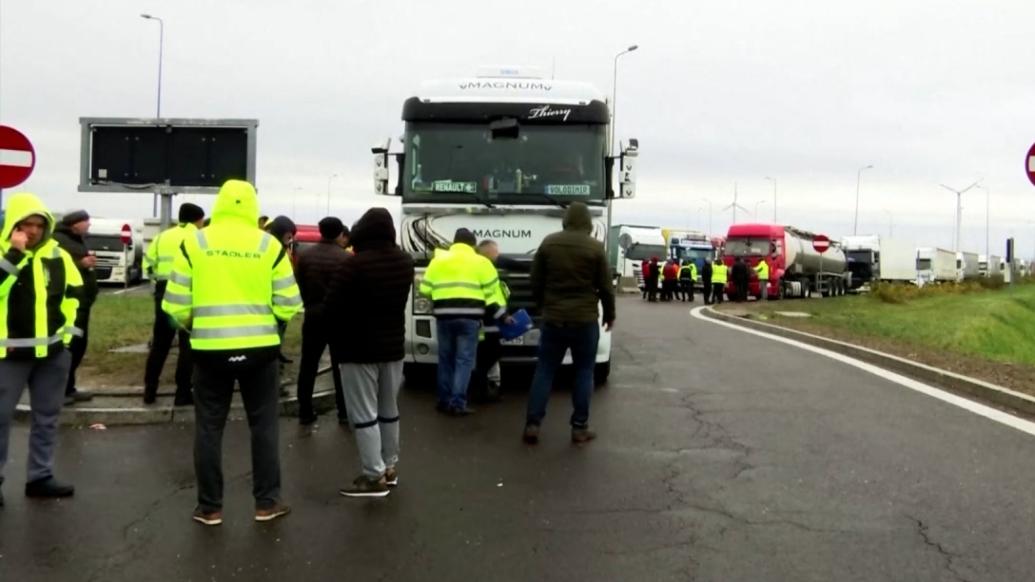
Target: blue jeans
{"points": [[457, 352], [581, 339]]}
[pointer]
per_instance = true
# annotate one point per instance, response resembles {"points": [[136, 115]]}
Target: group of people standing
{"points": [[676, 280], [228, 290]]}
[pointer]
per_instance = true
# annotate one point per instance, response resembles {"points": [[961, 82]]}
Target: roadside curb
{"points": [[951, 381], [138, 414]]}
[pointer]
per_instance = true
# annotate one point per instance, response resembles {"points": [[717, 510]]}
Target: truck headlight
{"points": [[421, 304]]}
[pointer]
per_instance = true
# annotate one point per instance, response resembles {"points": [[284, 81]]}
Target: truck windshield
{"points": [[860, 256], [103, 243], [923, 264], [745, 247], [696, 255], [641, 252], [457, 162]]}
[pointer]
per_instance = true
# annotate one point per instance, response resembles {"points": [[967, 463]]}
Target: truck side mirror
{"points": [[380, 152], [627, 170]]}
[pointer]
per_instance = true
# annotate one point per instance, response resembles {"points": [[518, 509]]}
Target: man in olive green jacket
{"points": [[571, 279]]}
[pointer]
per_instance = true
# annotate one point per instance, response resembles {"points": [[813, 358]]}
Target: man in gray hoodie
{"points": [[571, 278]]}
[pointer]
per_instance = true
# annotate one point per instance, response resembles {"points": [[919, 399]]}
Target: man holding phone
{"points": [[71, 236], [39, 296]]}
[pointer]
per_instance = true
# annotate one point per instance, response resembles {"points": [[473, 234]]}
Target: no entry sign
{"points": [[1029, 164], [17, 157], [821, 243]]}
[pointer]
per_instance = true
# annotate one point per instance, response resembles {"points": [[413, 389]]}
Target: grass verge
{"points": [[984, 332], [123, 320]]}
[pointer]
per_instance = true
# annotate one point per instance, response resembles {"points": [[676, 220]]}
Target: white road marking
{"points": [[968, 405]]}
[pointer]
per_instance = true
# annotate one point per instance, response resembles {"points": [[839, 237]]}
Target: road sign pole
{"points": [[166, 207]]}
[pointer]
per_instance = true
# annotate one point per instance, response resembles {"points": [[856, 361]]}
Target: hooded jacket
{"points": [[570, 273], [366, 304], [231, 283], [75, 246], [39, 288]]}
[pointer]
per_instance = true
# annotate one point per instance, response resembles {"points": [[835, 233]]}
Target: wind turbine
{"points": [[735, 206]]}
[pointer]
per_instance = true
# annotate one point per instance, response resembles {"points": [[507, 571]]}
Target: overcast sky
{"points": [[719, 92]]}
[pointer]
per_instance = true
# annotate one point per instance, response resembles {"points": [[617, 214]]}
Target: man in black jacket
{"points": [[367, 302], [571, 280], [706, 281], [70, 236], [316, 268]]}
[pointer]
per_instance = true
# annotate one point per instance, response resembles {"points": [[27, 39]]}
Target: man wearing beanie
{"points": [[315, 270], [463, 287], [70, 235], [159, 264]]}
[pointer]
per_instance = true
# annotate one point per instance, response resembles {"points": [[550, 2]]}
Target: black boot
{"points": [[48, 487]]}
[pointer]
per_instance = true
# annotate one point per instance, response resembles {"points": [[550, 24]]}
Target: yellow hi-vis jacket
{"points": [[762, 269], [688, 272], [163, 250], [463, 284], [232, 282], [720, 274], [39, 288]]}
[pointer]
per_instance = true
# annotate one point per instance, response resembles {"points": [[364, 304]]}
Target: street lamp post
{"points": [[959, 208], [161, 49], [329, 179], [858, 185], [773, 180], [988, 211], [614, 120]]}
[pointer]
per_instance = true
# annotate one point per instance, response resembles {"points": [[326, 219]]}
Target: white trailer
{"points": [[872, 258], [935, 265], [990, 268], [630, 247], [967, 267]]}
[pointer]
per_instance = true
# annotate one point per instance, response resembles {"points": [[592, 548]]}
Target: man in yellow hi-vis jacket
{"points": [[39, 296], [230, 285]]}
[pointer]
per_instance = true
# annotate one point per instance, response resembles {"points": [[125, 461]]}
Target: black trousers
{"points": [[718, 289], [78, 347], [652, 288], [214, 389], [686, 290], [707, 290], [489, 352], [162, 335], [315, 338]]}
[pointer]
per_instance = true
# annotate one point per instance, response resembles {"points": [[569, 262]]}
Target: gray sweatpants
{"points": [[371, 394], [46, 379]]}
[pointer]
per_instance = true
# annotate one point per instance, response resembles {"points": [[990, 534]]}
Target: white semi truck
{"points": [[967, 266], [116, 263], [934, 265], [990, 268], [630, 246], [872, 258], [501, 154]]}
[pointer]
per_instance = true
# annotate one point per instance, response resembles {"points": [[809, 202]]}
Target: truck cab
{"points": [[501, 154], [116, 263]]}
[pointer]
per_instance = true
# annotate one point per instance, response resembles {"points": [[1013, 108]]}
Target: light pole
{"points": [[614, 97], [773, 180], [756, 207], [988, 211], [161, 49], [959, 209], [329, 179], [858, 185]]}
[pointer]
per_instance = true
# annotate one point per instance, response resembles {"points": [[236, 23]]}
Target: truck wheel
{"points": [[601, 372], [780, 291]]}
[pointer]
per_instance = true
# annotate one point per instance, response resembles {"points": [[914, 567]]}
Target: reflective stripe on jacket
{"points": [[161, 254], [463, 284], [39, 288], [231, 283]]}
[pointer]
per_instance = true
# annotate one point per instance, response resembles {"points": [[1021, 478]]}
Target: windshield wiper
{"points": [[481, 200], [554, 201]]}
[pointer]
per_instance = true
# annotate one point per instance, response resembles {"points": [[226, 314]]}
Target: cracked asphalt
{"points": [[722, 456]]}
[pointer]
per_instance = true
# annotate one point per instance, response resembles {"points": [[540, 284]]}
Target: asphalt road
{"points": [[722, 456]]}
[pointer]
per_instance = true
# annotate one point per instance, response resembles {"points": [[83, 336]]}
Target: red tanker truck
{"points": [[795, 268]]}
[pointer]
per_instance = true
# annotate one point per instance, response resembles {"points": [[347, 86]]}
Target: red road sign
{"points": [[1029, 164], [17, 157], [126, 235], [821, 243]]}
